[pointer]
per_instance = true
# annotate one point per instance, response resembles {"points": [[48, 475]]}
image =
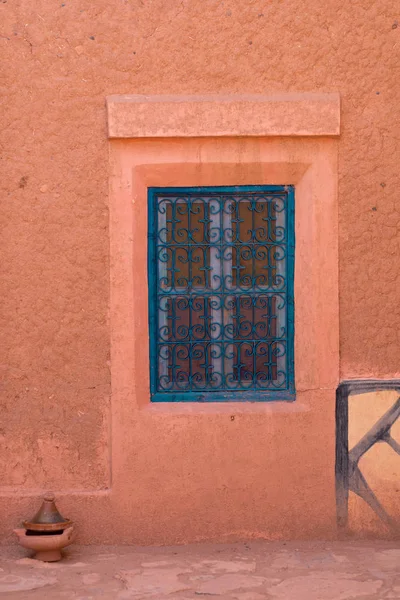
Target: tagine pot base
{"points": [[46, 547]]}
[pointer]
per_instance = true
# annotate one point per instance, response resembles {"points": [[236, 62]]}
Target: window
{"points": [[221, 266]]}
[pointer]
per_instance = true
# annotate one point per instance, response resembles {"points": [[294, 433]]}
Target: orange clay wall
{"points": [[59, 61]]}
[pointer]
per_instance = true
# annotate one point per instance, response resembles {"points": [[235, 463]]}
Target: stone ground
{"points": [[240, 571]]}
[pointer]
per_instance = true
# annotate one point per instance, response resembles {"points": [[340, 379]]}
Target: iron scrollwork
{"points": [[222, 304]]}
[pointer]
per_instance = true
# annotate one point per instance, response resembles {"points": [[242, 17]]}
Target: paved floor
{"points": [[242, 571]]}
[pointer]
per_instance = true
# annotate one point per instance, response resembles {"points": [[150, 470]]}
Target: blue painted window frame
{"points": [[288, 394]]}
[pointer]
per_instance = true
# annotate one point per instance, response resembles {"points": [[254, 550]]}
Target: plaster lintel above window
{"points": [[284, 114]]}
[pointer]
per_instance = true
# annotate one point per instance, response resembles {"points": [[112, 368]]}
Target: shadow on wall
{"points": [[368, 457]]}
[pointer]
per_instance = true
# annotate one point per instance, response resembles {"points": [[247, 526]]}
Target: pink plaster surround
{"points": [[185, 472], [188, 472]]}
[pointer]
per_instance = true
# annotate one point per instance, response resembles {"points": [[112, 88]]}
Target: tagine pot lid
{"points": [[47, 518]]}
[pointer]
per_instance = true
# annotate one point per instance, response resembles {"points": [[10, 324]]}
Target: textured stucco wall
{"points": [[60, 59]]}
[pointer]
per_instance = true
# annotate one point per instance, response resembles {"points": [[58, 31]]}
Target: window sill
{"points": [[232, 396]]}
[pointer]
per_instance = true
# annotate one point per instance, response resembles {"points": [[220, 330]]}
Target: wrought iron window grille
{"points": [[221, 306]]}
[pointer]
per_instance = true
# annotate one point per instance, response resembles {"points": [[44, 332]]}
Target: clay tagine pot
{"points": [[47, 533]]}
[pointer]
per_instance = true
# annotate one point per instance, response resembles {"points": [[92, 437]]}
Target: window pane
{"points": [[219, 290]]}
